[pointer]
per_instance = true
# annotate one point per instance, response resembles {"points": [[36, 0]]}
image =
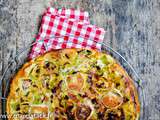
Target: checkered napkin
{"points": [[66, 28]]}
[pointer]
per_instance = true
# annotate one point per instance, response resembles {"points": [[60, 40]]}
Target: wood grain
{"points": [[133, 29]]}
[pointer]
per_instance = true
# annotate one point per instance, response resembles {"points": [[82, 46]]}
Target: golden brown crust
{"points": [[14, 83], [131, 85], [56, 55]]}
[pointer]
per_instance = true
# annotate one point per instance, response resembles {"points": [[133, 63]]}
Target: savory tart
{"points": [[73, 84]]}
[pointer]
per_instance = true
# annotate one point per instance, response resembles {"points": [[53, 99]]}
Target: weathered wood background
{"points": [[133, 29]]}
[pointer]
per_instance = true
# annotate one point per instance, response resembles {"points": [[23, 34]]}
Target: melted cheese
{"points": [[63, 80]]}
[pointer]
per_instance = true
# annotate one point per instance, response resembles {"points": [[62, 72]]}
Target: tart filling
{"points": [[73, 84]]}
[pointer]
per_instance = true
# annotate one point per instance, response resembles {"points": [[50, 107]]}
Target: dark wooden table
{"points": [[133, 29]]}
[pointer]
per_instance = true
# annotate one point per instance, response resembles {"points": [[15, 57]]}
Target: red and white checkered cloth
{"points": [[66, 28]]}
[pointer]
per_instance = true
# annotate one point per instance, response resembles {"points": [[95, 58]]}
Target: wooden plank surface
{"points": [[133, 29]]}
